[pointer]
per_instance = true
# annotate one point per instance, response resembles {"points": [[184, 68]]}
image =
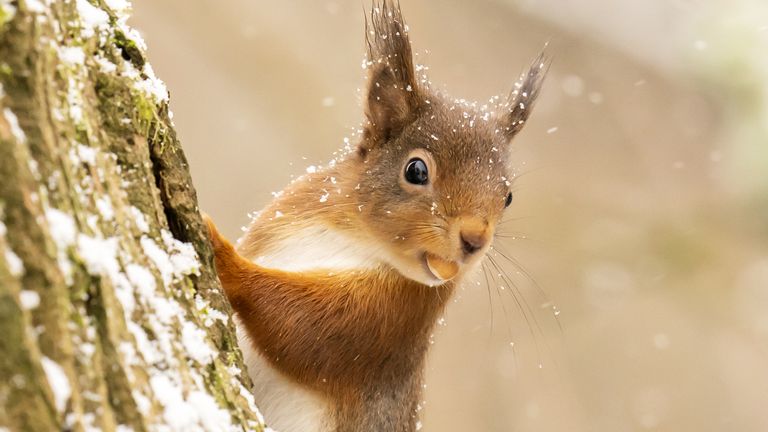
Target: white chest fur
{"points": [[318, 247]]}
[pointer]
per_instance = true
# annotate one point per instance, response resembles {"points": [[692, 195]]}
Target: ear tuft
{"points": [[393, 95], [522, 98]]}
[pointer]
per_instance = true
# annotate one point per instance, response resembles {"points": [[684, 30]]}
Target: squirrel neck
{"points": [[323, 200], [318, 222]]}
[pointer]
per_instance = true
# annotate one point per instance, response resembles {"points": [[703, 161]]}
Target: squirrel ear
{"points": [[393, 94], [388, 106], [522, 98]]}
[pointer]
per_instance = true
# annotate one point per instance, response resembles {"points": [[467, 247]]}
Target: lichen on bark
{"points": [[111, 313]]}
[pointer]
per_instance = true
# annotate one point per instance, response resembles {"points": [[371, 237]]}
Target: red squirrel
{"points": [[338, 282]]}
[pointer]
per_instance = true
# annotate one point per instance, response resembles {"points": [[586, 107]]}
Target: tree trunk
{"points": [[111, 317]]}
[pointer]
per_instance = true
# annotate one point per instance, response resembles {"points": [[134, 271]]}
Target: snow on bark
{"points": [[111, 315]]}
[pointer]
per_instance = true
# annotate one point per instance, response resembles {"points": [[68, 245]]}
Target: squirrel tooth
{"points": [[441, 268]]}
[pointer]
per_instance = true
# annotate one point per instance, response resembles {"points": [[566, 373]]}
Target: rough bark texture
{"points": [[110, 314]]}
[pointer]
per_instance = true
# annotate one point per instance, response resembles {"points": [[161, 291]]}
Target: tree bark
{"points": [[111, 316]]}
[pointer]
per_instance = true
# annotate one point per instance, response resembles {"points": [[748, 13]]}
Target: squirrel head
{"points": [[434, 173]]}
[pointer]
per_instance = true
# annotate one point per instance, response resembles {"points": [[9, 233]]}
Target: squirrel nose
{"points": [[473, 233], [472, 242]]}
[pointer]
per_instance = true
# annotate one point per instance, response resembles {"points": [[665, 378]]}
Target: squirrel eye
{"points": [[508, 201], [416, 172]]}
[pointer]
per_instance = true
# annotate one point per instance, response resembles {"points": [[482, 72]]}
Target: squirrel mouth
{"points": [[441, 268]]}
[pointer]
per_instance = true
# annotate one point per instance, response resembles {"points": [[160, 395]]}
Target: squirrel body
{"points": [[324, 348], [338, 282]]}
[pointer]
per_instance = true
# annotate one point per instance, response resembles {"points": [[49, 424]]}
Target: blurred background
{"points": [[640, 221]]}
